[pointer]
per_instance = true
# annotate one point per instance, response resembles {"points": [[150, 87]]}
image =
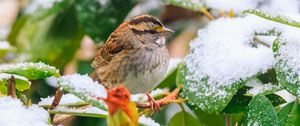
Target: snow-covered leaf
{"points": [[66, 100], [22, 83], [264, 89], [288, 60], [274, 17], [13, 113], [85, 88], [261, 113], [32, 71], [220, 61]]}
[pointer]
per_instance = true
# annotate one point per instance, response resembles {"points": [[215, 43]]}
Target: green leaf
{"points": [[53, 39], [274, 17], [170, 80], [85, 112], [290, 114], [239, 102], [22, 83], [184, 119], [284, 112], [261, 112], [206, 118], [211, 98], [32, 71], [100, 18], [275, 99], [286, 74]]}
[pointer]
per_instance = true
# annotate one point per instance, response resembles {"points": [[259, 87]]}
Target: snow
{"points": [[287, 6], [52, 81], [8, 76], [265, 88], [288, 57], [147, 121], [235, 5], [142, 97], [83, 84], [15, 114], [290, 50], [40, 4], [226, 56], [65, 100]]}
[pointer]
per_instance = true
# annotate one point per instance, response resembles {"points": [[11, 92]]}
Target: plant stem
{"points": [[228, 119], [11, 87], [56, 100]]}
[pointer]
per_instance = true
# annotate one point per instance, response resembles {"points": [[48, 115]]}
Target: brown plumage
{"points": [[134, 55]]}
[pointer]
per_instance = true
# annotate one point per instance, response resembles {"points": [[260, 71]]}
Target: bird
{"points": [[134, 55]]}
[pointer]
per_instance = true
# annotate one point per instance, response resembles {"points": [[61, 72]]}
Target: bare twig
{"points": [[56, 100], [206, 13], [11, 87], [228, 120], [171, 98]]}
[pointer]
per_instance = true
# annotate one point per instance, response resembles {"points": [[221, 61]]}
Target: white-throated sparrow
{"points": [[134, 55]]}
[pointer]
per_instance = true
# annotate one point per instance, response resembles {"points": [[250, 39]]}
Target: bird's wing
{"points": [[106, 53]]}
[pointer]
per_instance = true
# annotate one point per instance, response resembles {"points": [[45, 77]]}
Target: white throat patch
{"points": [[160, 41]]}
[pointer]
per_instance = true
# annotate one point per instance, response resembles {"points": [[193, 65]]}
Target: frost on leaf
{"points": [[220, 60], [32, 71], [258, 87], [22, 83], [88, 111], [85, 88], [288, 61], [66, 100], [14, 113], [261, 113]]}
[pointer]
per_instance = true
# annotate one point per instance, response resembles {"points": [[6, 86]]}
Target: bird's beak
{"points": [[165, 31]]}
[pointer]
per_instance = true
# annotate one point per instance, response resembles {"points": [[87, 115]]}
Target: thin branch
{"points": [[228, 120], [11, 87], [171, 98], [206, 13], [56, 100]]}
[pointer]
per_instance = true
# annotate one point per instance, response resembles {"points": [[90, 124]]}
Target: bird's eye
{"points": [[151, 31]]}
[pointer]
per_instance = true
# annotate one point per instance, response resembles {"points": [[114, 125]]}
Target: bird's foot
{"points": [[154, 105]]}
